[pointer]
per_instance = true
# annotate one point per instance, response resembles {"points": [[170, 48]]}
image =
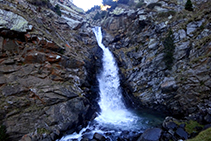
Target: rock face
{"points": [[138, 44], [42, 71], [48, 65]]}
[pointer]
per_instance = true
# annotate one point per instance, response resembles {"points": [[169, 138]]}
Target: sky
{"points": [[87, 4]]}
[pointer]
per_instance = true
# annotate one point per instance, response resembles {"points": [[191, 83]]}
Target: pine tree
{"points": [[188, 5]]}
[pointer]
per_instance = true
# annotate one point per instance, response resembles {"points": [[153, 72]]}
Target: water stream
{"points": [[115, 119]]}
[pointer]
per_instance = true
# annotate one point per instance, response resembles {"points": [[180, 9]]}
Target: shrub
{"points": [[3, 135], [100, 15], [166, 14], [57, 10], [140, 4], [152, 5], [40, 2], [123, 1], [96, 7], [169, 47], [188, 5]]}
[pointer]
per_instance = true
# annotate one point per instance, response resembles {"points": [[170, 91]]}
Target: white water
{"points": [[113, 110], [114, 117]]}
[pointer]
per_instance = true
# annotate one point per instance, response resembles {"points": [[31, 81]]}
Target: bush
{"points": [[188, 5], [100, 15], [152, 5], [123, 1], [3, 135], [140, 4], [169, 47], [96, 7], [57, 10], [166, 14], [40, 2]]}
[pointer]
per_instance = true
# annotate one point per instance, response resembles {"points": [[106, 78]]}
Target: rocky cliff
{"points": [[42, 69], [49, 61], [142, 39]]}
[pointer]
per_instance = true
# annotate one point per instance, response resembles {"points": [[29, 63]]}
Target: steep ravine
{"points": [[48, 66]]}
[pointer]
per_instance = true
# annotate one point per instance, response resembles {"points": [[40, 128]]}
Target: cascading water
{"points": [[114, 117], [113, 110]]}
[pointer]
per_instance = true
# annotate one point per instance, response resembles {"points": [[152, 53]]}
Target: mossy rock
{"points": [[190, 126], [203, 136]]}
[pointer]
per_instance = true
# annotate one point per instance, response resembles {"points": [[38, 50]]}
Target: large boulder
{"points": [[152, 134], [12, 21]]}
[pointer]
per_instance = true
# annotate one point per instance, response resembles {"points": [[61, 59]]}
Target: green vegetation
{"points": [[140, 4], [203, 136], [100, 15], [188, 5], [43, 131], [190, 126], [57, 10], [3, 135], [96, 7], [166, 14], [169, 47], [40, 2], [123, 1], [152, 5]]}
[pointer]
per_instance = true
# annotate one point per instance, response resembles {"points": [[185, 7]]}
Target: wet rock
{"points": [[182, 133], [153, 134], [99, 137]]}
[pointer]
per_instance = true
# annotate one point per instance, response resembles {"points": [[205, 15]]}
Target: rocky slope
{"points": [[164, 52], [42, 70], [138, 38], [49, 63]]}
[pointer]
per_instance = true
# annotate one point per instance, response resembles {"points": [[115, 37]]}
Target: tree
{"points": [[188, 5]]}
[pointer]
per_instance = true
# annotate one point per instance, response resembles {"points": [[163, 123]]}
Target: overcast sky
{"points": [[87, 4]]}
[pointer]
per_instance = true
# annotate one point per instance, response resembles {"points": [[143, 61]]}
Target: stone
{"points": [[73, 24], [12, 21], [207, 118], [99, 137], [142, 17], [118, 11], [182, 133], [170, 125], [191, 27], [182, 34], [13, 90], [153, 44], [181, 50], [150, 1], [1, 43], [168, 85], [152, 134]]}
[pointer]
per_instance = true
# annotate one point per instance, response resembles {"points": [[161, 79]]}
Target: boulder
{"points": [[12, 21], [99, 137], [168, 85], [152, 134], [73, 24], [181, 133]]}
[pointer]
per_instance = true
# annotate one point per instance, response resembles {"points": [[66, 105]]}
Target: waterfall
{"points": [[113, 110], [114, 117]]}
